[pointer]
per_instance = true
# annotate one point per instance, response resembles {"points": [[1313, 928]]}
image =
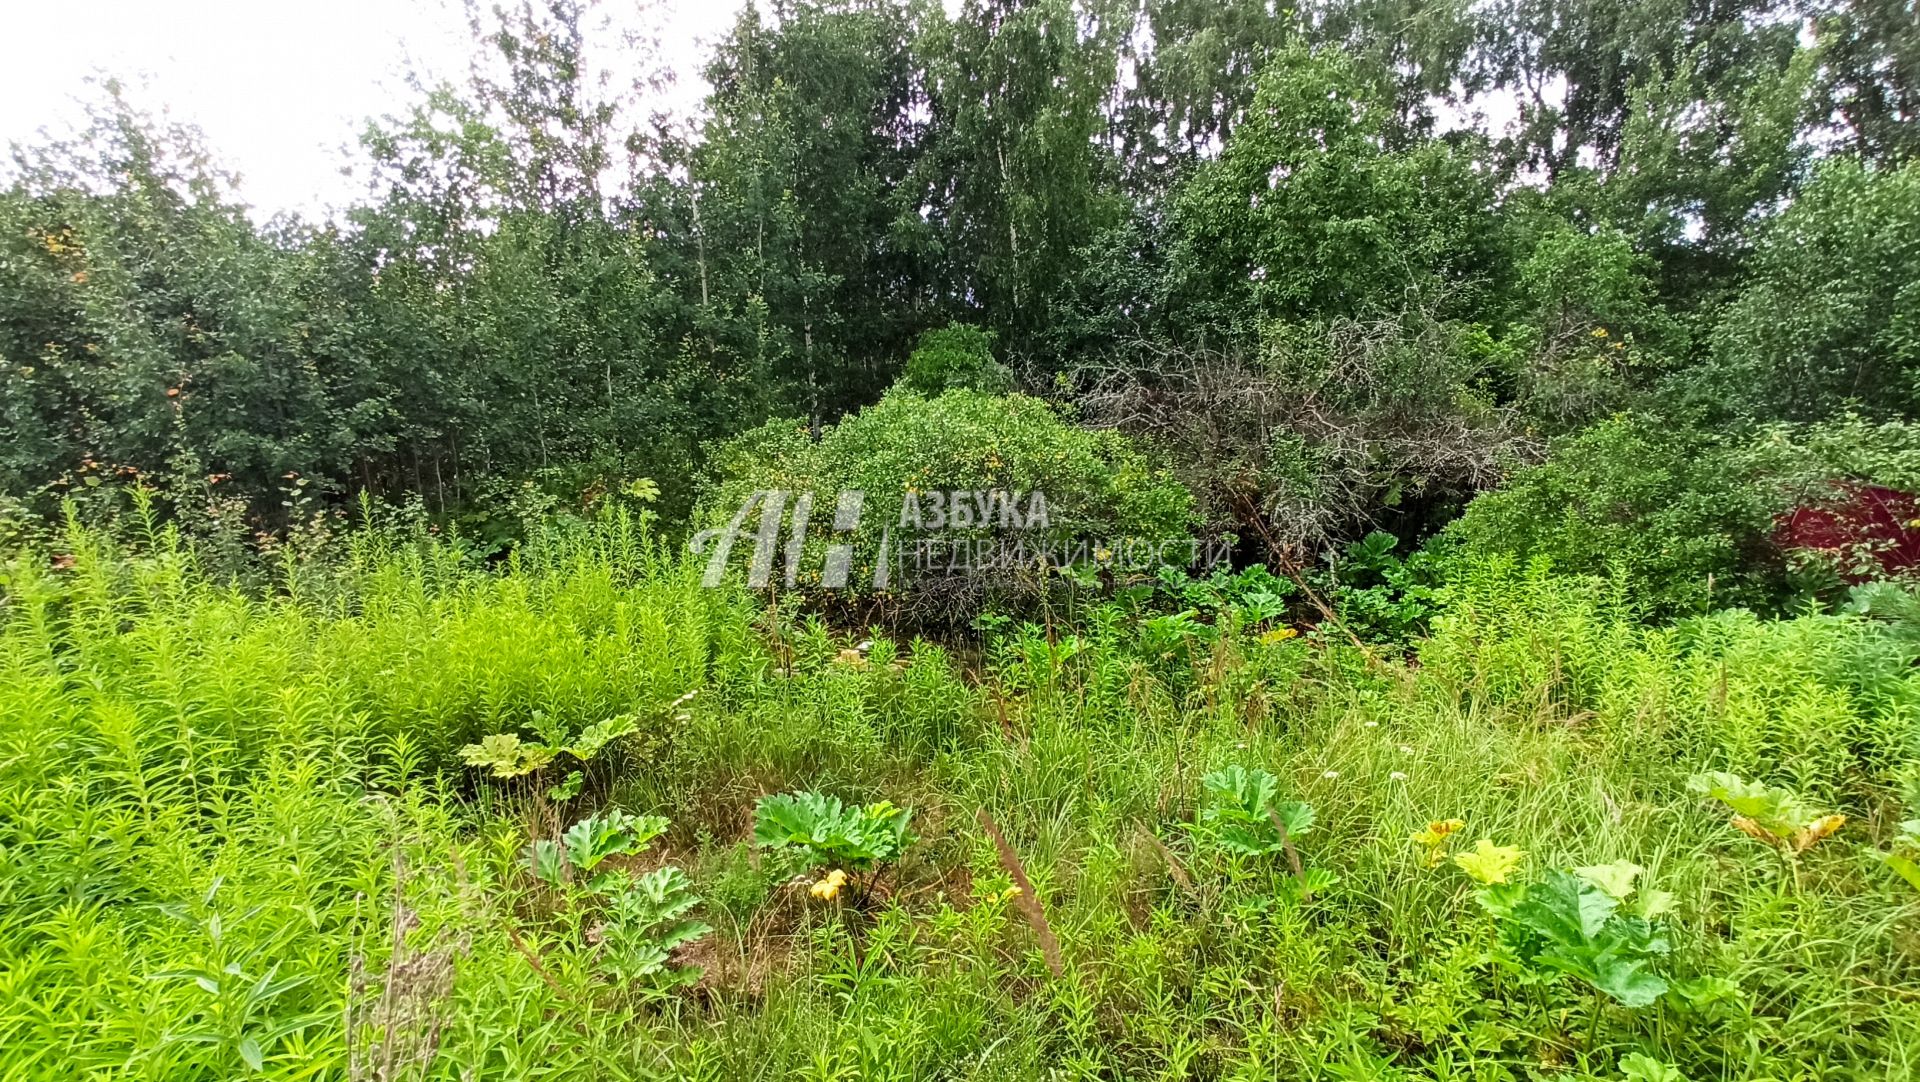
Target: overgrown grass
{"points": [[237, 831]]}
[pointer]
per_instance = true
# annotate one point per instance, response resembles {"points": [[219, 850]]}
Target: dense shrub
{"points": [[1592, 333], [956, 357], [1332, 428], [1687, 519], [1673, 512], [909, 450]]}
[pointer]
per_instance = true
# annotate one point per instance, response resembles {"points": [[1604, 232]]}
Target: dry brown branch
{"points": [[396, 1034], [1027, 900], [1369, 406], [1293, 855]]}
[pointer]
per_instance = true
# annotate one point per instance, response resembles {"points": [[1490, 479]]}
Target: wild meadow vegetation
{"points": [[1545, 374], [283, 835]]}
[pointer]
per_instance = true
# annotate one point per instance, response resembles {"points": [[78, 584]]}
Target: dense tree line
{"points": [[1283, 243]]}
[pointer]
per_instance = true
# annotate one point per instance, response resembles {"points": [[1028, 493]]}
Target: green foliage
{"points": [[1770, 813], [1238, 812], [1381, 596], [640, 918], [643, 927], [1278, 254], [1826, 321], [1308, 213], [170, 734], [1640, 1067], [822, 831], [505, 755], [956, 357], [1595, 332], [1098, 487], [1255, 594], [1567, 924], [1674, 514]]}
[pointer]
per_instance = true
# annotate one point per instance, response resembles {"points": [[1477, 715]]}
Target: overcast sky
{"points": [[280, 87]]}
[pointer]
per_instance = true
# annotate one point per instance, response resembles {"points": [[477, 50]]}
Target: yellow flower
{"points": [[1278, 634], [1435, 839], [1438, 830], [829, 885], [1490, 863], [1599, 332]]}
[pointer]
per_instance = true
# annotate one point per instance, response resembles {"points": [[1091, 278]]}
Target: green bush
{"points": [[1687, 519], [1680, 516], [1826, 322], [956, 357], [909, 451]]}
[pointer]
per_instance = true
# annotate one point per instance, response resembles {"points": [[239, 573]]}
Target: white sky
{"points": [[280, 87]]}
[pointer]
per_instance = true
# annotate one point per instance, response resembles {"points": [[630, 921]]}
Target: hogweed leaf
{"points": [[1755, 831], [1499, 899], [1640, 1067], [1239, 813], [1906, 867], [593, 839], [824, 831], [644, 927], [1653, 904], [1489, 863], [506, 755], [548, 861], [1616, 878], [601, 733], [1765, 812], [1905, 857], [567, 789], [1565, 909], [1624, 977], [1701, 993], [1568, 924], [1239, 790]]}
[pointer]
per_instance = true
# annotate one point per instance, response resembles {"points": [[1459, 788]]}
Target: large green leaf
{"points": [[1238, 811], [1570, 925], [825, 831], [1777, 811]]}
